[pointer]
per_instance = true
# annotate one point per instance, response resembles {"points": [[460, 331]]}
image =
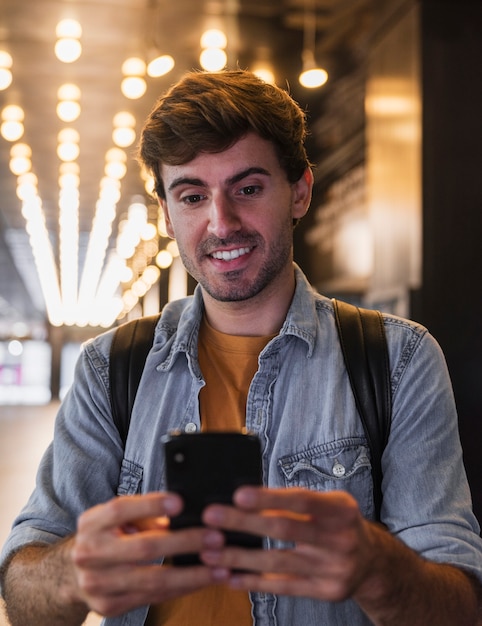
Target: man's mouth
{"points": [[229, 255]]}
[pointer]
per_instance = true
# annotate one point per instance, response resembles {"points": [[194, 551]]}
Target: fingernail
{"points": [[213, 539], [171, 505]]}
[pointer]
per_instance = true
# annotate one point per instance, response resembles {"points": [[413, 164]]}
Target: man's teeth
{"points": [[229, 255]]}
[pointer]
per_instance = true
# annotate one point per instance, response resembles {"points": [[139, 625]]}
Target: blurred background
{"points": [[394, 113]]}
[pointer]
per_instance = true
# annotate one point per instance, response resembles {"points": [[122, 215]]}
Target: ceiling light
{"points": [[68, 135], [312, 76], [213, 38], [134, 66], [5, 59], [13, 113], [68, 110], [124, 118], [123, 137], [265, 73], [164, 259], [21, 150], [68, 91], [213, 59], [5, 78], [115, 169], [68, 50], [133, 87], [160, 66], [68, 28], [68, 151], [11, 130], [20, 165]]}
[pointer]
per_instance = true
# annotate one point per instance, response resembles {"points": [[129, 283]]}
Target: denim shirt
{"points": [[301, 405]]}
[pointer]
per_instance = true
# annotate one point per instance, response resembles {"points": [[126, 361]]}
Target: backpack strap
{"points": [[363, 342], [130, 345]]}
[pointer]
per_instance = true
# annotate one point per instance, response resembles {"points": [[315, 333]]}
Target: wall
{"points": [[450, 299]]}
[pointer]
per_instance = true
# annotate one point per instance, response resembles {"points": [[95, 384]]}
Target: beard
{"points": [[235, 285]]}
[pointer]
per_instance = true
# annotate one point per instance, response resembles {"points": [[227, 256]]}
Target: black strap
{"points": [[130, 346], [363, 342]]}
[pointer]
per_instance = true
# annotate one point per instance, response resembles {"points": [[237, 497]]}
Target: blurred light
{"points": [[133, 87], [21, 150], [123, 137], [68, 110], [69, 28], [68, 135], [115, 169], [13, 113], [68, 91], [115, 154], [213, 38], [149, 231], [160, 66], [173, 248], [15, 347], [151, 274], [5, 78], [11, 130], [5, 59], [68, 151], [312, 78], [164, 259], [265, 73], [134, 67], [68, 50], [124, 118], [20, 165], [213, 59]]}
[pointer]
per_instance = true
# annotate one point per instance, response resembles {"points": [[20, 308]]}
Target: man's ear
{"points": [[167, 219], [302, 190]]}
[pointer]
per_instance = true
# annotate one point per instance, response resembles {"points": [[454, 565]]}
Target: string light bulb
{"points": [[312, 75]]}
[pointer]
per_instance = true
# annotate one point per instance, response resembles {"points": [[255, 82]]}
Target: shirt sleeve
{"points": [[427, 501], [80, 468]]}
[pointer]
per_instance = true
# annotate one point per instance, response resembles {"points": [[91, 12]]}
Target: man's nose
{"points": [[223, 217]]}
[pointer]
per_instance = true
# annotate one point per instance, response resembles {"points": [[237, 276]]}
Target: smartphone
{"points": [[206, 468]]}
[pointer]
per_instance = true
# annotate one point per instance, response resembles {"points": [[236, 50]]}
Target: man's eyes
{"points": [[195, 198], [192, 198], [250, 190]]}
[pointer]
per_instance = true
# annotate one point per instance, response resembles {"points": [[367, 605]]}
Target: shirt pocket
{"points": [[342, 465], [130, 478]]}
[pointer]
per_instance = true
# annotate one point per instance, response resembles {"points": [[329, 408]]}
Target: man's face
{"points": [[232, 216]]}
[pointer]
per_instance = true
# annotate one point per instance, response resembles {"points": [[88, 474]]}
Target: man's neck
{"points": [[259, 316]]}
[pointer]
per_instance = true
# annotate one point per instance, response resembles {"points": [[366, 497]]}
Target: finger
{"points": [[141, 547], [330, 506], [283, 525], [128, 509], [129, 587]]}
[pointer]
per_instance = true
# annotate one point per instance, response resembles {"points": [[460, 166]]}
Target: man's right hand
{"points": [[109, 565], [116, 547]]}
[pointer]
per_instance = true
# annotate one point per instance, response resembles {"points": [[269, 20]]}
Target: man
{"points": [[255, 347]]}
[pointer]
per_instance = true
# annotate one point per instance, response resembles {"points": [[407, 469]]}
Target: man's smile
{"points": [[229, 255]]}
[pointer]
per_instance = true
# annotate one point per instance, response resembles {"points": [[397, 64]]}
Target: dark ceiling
{"points": [[113, 30]]}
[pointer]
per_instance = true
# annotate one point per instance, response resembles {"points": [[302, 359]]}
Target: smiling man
{"points": [[254, 348]]}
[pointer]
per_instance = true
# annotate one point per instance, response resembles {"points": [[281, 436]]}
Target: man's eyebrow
{"points": [[186, 180], [197, 182], [247, 172]]}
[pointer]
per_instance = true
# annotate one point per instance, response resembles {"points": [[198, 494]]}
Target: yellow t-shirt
{"points": [[228, 364]]}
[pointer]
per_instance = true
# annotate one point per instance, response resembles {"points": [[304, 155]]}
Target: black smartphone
{"points": [[206, 468]]}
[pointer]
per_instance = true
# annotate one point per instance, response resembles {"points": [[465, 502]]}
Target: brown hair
{"points": [[209, 112]]}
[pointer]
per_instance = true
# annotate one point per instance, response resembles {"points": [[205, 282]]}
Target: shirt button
{"points": [[190, 428], [338, 469]]}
